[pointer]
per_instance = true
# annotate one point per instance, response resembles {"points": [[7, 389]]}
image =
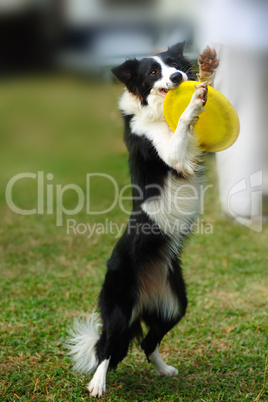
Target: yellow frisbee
{"points": [[218, 125]]}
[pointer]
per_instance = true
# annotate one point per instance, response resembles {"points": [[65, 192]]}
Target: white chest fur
{"points": [[176, 208], [174, 211]]}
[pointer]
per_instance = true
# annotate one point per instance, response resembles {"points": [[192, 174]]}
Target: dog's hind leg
{"points": [[161, 367], [108, 349], [97, 385], [111, 349], [161, 322], [150, 345]]}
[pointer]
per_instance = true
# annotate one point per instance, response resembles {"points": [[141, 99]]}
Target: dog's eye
{"points": [[173, 63], [153, 72]]}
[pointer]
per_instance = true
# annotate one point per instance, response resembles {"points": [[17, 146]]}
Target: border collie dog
{"points": [[144, 279]]}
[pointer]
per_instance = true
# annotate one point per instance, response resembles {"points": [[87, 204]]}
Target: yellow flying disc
{"points": [[218, 125]]}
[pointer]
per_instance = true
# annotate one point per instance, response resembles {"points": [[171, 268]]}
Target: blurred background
{"points": [[58, 99], [89, 36]]}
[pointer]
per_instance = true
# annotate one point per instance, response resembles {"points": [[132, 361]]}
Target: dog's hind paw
{"points": [[160, 366], [97, 385], [167, 371], [96, 388]]}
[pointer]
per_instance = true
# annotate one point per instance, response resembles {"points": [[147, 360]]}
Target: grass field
{"points": [[69, 128]]}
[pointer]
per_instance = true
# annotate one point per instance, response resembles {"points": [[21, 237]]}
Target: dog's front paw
{"points": [[199, 97], [208, 63], [196, 106]]}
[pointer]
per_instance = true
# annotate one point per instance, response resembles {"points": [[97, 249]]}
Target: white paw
{"points": [[201, 91], [198, 101], [96, 388], [97, 385], [167, 371], [196, 106]]}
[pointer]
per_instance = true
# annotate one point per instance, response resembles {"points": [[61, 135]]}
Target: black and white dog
{"points": [[144, 280]]}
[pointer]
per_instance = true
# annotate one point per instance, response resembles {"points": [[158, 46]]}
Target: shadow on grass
{"points": [[200, 382], [228, 376]]}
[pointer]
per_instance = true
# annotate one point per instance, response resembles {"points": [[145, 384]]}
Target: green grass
{"points": [[70, 128]]}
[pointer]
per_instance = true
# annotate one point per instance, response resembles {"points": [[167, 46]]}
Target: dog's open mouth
{"points": [[163, 91]]}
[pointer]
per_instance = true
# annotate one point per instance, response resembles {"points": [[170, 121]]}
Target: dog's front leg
{"points": [[182, 150]]}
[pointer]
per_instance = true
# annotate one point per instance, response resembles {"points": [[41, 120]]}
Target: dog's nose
{"points": [[176, 78]]}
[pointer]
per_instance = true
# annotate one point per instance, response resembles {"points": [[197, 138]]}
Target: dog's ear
{"points": [[127, 74], [178, 48]]}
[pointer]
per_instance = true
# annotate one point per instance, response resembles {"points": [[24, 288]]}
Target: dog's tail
{"points": [[82, 343]]}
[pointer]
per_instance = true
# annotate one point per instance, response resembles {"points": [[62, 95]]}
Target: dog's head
{"points": [[156, 74]]}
